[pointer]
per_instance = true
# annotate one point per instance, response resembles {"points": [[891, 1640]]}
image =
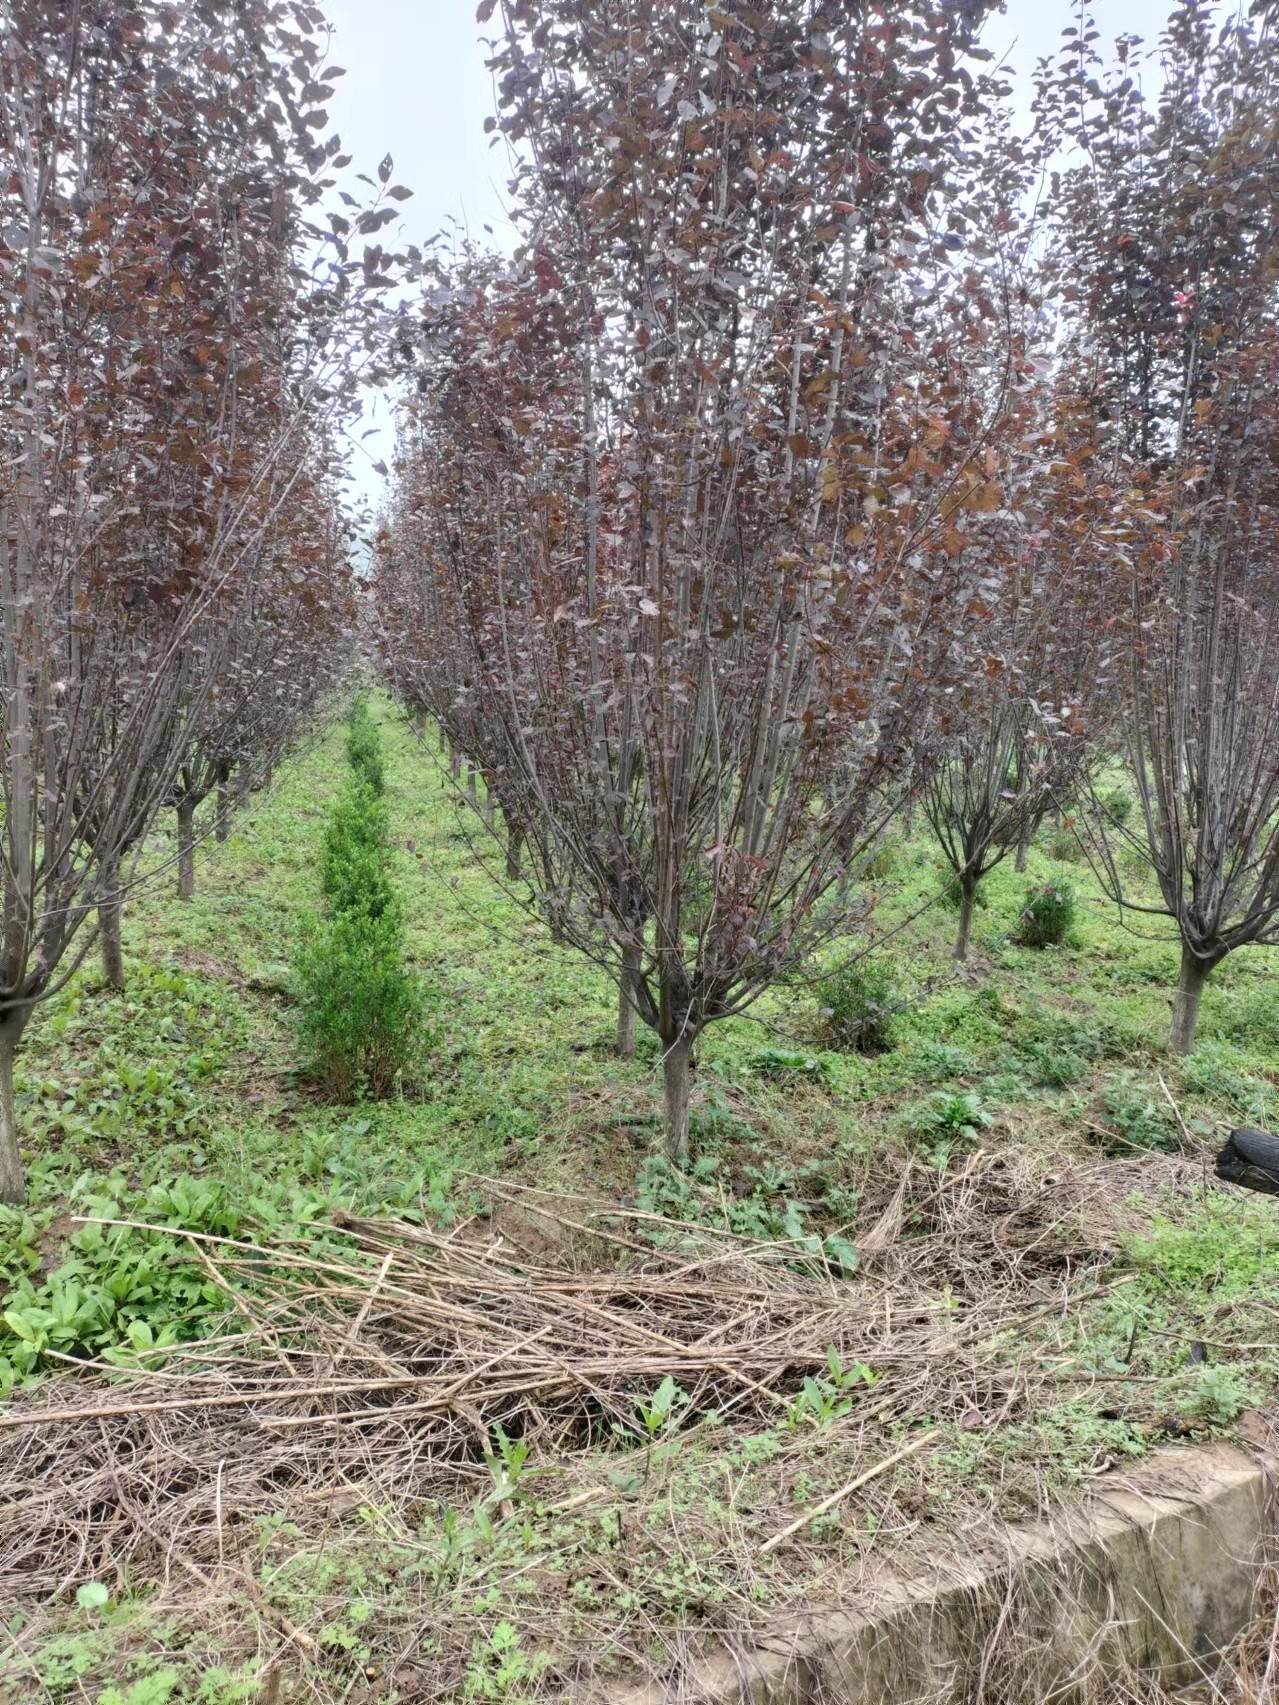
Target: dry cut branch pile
{"points": [[377, 1375]]}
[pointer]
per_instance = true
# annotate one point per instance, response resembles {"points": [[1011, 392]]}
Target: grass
{"points": [[522, 1074], [181, 1103]]}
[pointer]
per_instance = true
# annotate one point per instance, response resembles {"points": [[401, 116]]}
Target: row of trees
{"points": [[1168, 280], [704, 513], [174, 590], [791, 469]]}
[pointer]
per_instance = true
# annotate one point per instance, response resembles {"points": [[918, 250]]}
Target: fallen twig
{"points": [[852, 1485]]}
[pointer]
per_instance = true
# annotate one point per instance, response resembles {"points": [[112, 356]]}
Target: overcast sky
{"points": [[416, 88]]}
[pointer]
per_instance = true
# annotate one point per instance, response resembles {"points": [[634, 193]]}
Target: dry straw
{"points": [[376, 1378]]}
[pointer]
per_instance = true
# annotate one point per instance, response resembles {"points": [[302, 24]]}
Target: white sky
{"points": [[416, 88]]}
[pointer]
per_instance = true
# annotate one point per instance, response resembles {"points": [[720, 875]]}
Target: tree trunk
{"points": [[967, 898], [1023, 848], [109, 911], [1185, 1005], [13, 1186], [186, 852], [626, 1013], [471, 792], [676, 1084], [222, 822], [514, 846], [455, 762]]}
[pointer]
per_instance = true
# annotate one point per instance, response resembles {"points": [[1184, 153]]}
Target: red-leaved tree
{"points": [[684, 496], [1170, 278], [169, 362]]}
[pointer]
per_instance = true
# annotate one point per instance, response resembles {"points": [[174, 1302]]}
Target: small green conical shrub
{"points": [[857, 1000], [1116, 806], [360, 1009], [364, 746], [1047, 916], [353, 858]]}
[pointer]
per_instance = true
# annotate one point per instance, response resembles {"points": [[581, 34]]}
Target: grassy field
{"points": [[1024, 1157]]}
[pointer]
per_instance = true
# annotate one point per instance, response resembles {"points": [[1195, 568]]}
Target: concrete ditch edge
{"points": [[1157, 1570]]}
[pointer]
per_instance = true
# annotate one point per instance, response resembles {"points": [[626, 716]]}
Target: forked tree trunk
{"points": [[626, 1013], [514, 847], [967, 900], [677, 1085], [110, 910], [13, 1186], [186, 851], [1195, 972]]}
